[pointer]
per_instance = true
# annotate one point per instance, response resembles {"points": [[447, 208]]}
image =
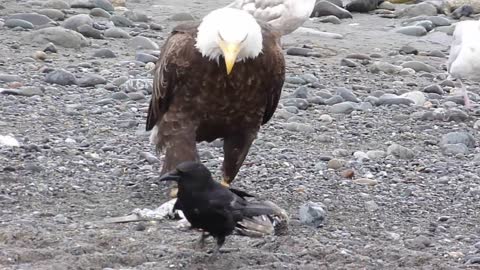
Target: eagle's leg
{"points": [[179, 148], [235, 149]]}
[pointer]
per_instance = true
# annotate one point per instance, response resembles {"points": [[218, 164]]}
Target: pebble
{"points": [[376, 154], [420, 242], [58, 36], [330, 19], [12, 23], [336, 163], [417, 97], [299, 127], [104, 4], [413, 30], [183, 16], [295, 80], [346, 94], [334, 100], [371, 206], [104, 53], [326, 8], [150, 158], [347, 63], [50, 48], [343, 107], [418, 10], [53, 14], [407, 49], [136, 16], [88, 4], [454, 149], [76, 21], [136, 95], [143, 43], [26, 92], [300, 103], [312, 214], [419, 66], [119, 96], [116, 32], [433, 88], [56, 4], [121, 21], [89, 31], [400, 151], [98, 12], [134, 85], [476, 125], [458, 137], [393, 100], [33, 18], [61, 77], [365, 181], [90, 79], [384, 67], [40, 55], [145, 57], [60, 218]]}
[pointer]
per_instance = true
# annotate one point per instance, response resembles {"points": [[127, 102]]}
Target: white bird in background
{"points": [[464, 60], [284, 15]]}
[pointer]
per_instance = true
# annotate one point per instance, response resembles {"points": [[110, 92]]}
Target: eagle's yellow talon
{"points": [[224, 183], [173, 192]]}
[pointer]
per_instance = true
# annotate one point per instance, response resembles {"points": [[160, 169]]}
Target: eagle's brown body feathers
{"points": [[195, 100]]}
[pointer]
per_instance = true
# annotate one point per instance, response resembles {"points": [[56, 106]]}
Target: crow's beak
{"points": [[171, 176]]}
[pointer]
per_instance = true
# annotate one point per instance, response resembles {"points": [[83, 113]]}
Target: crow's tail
{"points": [[263, 218]]}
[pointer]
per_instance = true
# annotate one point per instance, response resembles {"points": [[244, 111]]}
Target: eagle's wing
{"points": [[172, 62], [274, 59]]}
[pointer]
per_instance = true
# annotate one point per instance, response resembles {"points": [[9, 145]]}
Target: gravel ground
{"points": [[398, 182]]}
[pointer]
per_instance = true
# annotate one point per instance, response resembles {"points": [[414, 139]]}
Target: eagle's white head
{"points": [[231, 33]]}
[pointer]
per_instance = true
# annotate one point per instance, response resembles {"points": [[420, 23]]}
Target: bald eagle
{"points": [[218, 78]]}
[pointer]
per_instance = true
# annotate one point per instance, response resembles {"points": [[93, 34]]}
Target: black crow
{"points": [[210, 206]]}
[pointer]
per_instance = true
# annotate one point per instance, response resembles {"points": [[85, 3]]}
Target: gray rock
{"points": [[310, 78], [454, 149], [344, 107], [376, 154], [393, 100], [58, 36], [89, 4], [104, 53], [134, 85], [463, 11], [433, 88], [76, 21], [98, 12], [53, 14], [418, 243], [346, 94], [12, 23], [407, 49], [10, 78], [412, 31], [56, 4], [458, 137], [136, 95], [50, 48], [362, 6], [145, 57], [418, 10], [136, 16], [150, 158], [347, 63], [312, 214], [386, 5], [143, 43], [330, 19], [116, 32], [88, 31], [300, 103], [417, 97], [384, 67], [26, 92], [104, 4], [428, 25], [33, 18], [121, 21], [400, 151], [299, 127], [439, 21], [325, 8], [183, 16], [299, 51], [119, 96], [61, 77], [90, 79], [300, 92], [334, 100], [419, 66]]}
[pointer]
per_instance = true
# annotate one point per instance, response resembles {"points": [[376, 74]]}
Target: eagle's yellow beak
{"points": [[230, 52]]}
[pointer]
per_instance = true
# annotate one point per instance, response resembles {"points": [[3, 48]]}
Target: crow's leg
{"points": [[216, 250], [200, 244], [235, 148]]}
